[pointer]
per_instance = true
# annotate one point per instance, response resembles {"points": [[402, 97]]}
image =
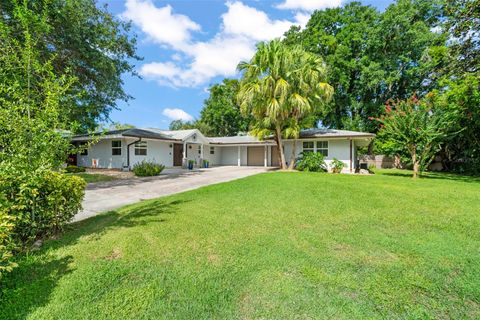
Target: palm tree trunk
{"points": [[283, 165], [291, 165]]}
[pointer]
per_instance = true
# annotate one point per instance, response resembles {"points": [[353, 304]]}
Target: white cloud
{"points": [[197, 62], [177, 114], [160, 24], [252, 23], [309, 5]]}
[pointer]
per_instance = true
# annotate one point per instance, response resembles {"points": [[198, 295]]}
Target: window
{"points": [[199, 149], [116, 148], [141, 148], [322, 147], [308, 146], [212, 150]]}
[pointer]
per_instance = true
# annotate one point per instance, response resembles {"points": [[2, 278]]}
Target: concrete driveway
{"points": [[101, 197]]}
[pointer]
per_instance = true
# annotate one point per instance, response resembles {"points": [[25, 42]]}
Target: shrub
{"points": [[337, 165], [311, 161], [34, 205], [7, 244], [41, 202], [74, 169], [147, 169]]}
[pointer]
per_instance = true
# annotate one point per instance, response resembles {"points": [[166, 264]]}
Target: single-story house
{"points": [[121, 149]]}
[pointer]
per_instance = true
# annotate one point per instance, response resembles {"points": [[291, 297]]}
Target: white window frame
{"points": [[308, 149], [139, 147], [117, 147], [212, 150], [316, 146], [320, 147]]}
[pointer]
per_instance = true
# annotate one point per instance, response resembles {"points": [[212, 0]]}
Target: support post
{"points": [[239, 161], [184, 155], [265, 156], [351, 156]]}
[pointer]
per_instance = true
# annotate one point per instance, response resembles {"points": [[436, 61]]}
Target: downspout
{"points": [[128, 152]]}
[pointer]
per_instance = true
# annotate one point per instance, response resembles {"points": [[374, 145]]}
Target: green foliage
{"points": [[418, 128], [147, 169], [463, 22], [76, 36], [7, 244], [371, 56], [462, 96], [221, 112], [74, 169], [281, 87], [41, 202], [35, 201], [337, 165], [311, 161]]}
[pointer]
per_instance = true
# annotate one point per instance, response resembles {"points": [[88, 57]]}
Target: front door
{"points": [[177, 155]]}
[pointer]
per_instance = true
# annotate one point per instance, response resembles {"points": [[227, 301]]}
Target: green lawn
{"points": [[272, 246], [94, 177]]}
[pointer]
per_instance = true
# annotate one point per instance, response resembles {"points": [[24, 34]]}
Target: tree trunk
{"points": [[291, 165], [283, 165], [416, 165]]}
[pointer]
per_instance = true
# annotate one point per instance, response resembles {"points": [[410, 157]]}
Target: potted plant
{"points": [[337, 165], [190, 164], [206, 163]]}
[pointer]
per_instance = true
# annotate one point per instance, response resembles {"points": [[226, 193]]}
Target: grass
{"points": [[271, 246], [94, 177]]}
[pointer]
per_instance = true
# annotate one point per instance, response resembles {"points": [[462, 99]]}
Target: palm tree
{"points": [[281, 86]]}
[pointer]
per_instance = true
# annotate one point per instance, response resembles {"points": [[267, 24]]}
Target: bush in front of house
{"points": [[337, 165], [147, 169], [74, 169], [39, 204], [311, 161], [34, 205]]}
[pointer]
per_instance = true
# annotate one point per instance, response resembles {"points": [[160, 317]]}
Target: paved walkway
{"points": [[101, 197]]}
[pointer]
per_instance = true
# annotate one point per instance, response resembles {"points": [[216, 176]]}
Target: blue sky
{"points": [[187, 45]]}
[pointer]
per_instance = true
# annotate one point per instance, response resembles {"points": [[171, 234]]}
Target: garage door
{"points": [[274, 159], [255, 156]]}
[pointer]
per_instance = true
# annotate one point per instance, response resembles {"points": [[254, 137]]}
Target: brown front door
{"points": [[274, 158], [177, 155]]}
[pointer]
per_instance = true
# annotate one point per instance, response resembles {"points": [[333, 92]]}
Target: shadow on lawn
{"points": [[30, 285], [434, 176]]}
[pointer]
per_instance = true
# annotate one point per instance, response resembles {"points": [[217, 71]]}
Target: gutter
{"points": [[128, 152]]}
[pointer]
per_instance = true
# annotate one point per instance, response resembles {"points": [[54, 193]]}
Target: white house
{"points": [[123, 148]]}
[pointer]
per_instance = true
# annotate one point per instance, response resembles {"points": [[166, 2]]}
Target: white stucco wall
{"points": [[103, 152], [160, 152], [157, 151]]}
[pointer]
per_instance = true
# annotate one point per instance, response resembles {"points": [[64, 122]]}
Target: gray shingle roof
{"points": [[332, 133], [179, 135]]}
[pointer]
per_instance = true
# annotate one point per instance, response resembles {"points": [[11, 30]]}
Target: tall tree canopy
{"points": [[371, 56], [221, 112], [85, 40], [281, 87]]}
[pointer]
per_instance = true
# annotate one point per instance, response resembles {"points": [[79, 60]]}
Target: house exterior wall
{"points": [[161, 152], [157, 151], [103, 152]]}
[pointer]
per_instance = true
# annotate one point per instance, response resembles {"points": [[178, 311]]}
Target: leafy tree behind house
{"points": [[221, 112], [77, 36], [281, 87], [372, 56]]}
